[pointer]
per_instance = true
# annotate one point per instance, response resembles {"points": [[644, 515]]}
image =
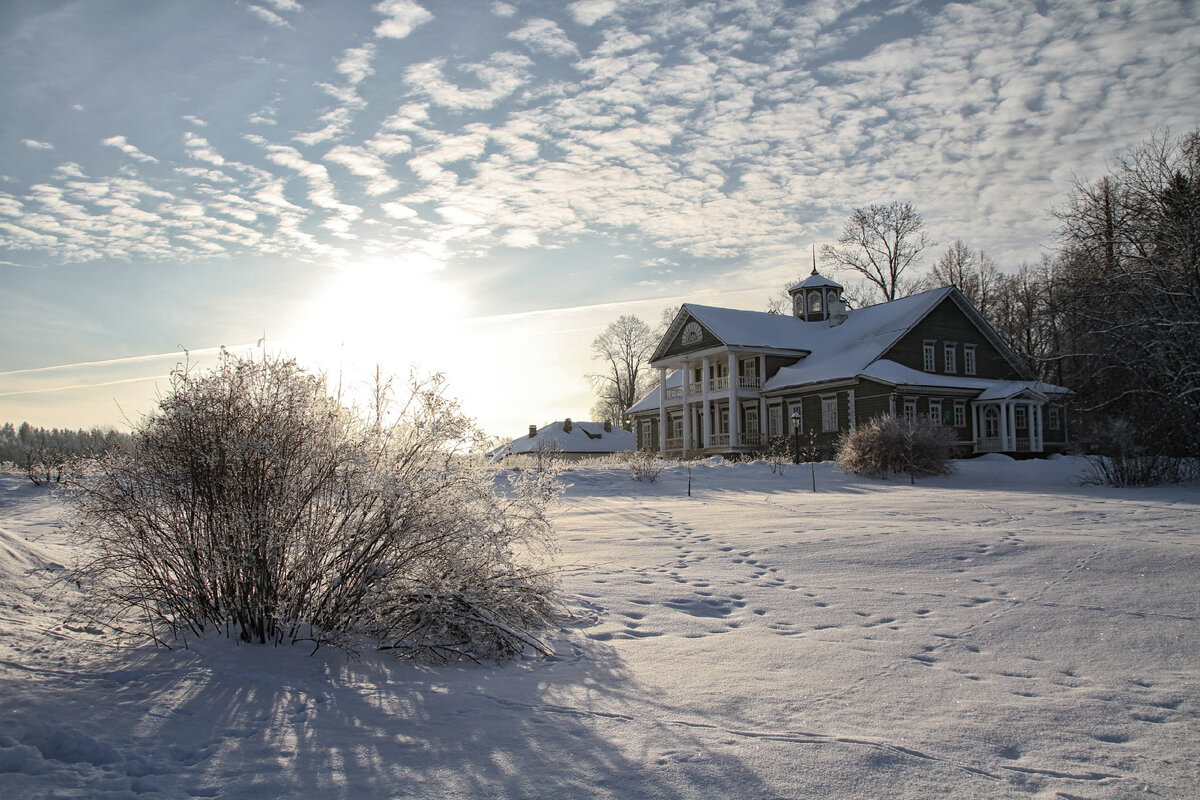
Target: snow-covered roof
{"points": [[895, 374], [833, 352], [584, 437], [813, 281]]}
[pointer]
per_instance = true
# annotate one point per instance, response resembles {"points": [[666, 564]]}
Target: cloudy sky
{"points": [[479, 187]]}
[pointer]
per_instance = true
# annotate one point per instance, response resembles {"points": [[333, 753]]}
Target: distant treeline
{"points": [[43, 453]]}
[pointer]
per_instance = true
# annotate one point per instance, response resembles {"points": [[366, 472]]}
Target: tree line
{"points": [[43, 453], [1113, 312]]}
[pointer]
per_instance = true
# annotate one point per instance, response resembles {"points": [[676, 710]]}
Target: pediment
{"points": [[686, 334]]}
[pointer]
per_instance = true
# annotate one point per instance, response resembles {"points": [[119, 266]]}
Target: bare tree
{"points": [[624, 350], [1129, 274], [972, 271], [880, 243]]}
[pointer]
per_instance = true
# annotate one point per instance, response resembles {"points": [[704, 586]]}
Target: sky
{"points": [[478, 188]]}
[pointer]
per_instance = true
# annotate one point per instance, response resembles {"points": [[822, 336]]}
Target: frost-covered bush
{"points": [[886, 445], [255, 505], [645, 465]]}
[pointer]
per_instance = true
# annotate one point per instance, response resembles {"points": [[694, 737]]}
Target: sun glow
{"points": [[392, 313]]}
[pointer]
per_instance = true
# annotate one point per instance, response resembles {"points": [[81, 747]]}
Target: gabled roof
{"points": [[845, 350], [851, 349], [584, 437]]}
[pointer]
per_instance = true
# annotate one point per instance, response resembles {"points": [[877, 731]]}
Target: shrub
{"points": [[886, 445], [255, 505], [645, 465], [1122, 459]]}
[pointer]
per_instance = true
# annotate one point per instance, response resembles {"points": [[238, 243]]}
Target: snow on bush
{"points": [[886, 445], [255, 505]]}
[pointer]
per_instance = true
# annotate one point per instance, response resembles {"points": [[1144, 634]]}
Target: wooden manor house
{"points": [[732, 381]]}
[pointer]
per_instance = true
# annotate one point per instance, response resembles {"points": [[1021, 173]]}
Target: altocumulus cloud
{"points": [[712, 130]]}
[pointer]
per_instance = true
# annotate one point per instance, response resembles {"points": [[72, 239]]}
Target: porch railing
{"points": [[719, 440], [674, 444], [749, 382], [718, 384], [674, 393]]}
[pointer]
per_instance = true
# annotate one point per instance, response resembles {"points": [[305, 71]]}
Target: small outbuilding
{"points": [[570, 440]]}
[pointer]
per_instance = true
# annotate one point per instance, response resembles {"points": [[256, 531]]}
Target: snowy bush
{"points": [[645, 465], [255, 505], [886, 445]]}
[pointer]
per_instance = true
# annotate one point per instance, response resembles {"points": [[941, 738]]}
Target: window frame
{"points": [[929, 356], [950, 358], [1053, 418], [968, 359], [829, 414], [909, 409], [934, 404], [960, 413]]}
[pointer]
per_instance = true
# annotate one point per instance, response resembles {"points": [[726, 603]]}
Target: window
{"points": [[646, 441], [991, 423], [751, 420], [969, 359], [814, 302], [930, 365], [910, 409], [949, 358], [676, 426], [829, 417], [723, 423], [774, 421], [795, 407], [960, 413], [935, 410], [1052, 419], [750, 367], [1019, 417]]}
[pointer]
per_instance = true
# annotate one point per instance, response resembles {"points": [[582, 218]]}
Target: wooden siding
{"points": [[947, 323], [871, 400]]}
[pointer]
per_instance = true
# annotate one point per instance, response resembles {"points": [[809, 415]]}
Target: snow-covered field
{"points": [[1001, 632]]}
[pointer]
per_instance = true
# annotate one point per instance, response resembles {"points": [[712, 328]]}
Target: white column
{"points": [[1035, 431], [706, 419], [662, 409], [974, 426], [1004, 427], [734, 410], [850, 407], [687, 416], [1011, 410]]}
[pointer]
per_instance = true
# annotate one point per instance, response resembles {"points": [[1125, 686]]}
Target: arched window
{"points": [[814, 302]]}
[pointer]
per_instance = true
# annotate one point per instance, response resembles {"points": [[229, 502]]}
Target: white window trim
{"points": [[950, 358], [935, 403], [1053, 419], [929, 356], [968, 359], [910, 409], [960, 413]]}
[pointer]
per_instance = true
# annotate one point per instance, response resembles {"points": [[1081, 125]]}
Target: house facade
{"points": [[731, 381]]}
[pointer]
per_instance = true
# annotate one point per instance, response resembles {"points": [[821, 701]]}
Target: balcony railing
{"points": [[719, 384], [695, 389], [674, 393], [749, 382], [720, 440]]}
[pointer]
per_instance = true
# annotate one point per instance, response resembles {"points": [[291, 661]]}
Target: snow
{"points": [[584, 437], [1000, 632]]}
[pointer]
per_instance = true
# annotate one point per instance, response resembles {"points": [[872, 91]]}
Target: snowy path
{"points": [[996, 633]]}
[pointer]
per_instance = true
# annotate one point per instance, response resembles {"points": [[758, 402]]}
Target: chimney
{"points": [[608, 426], [532, 431], [567, 425]]}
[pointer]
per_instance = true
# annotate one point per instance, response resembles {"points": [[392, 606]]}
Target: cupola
{"points": [[816, 298]]}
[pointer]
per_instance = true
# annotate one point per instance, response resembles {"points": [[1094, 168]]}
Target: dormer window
{"points": [[814, 302]]}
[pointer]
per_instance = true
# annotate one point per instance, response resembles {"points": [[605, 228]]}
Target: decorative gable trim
{"points": [[686, 334]]}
